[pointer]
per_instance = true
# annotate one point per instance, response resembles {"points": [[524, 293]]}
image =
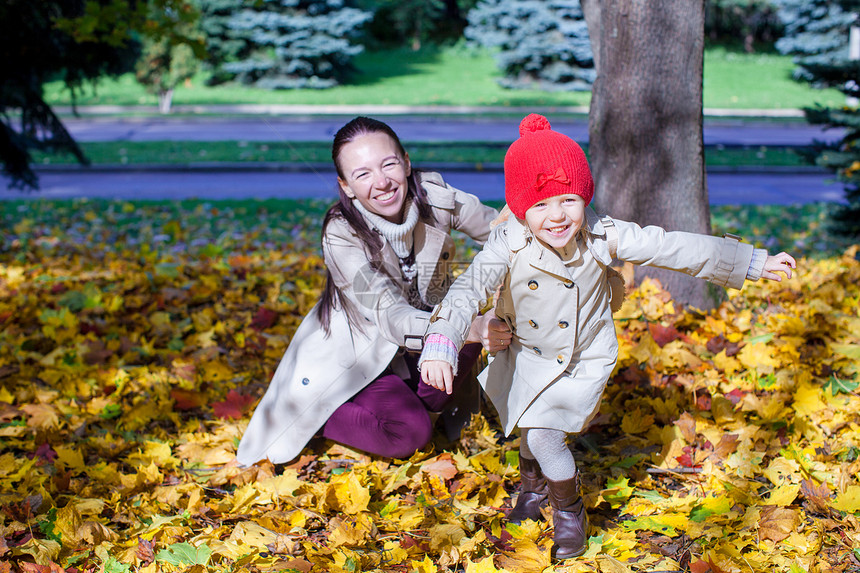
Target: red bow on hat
{"points": [[559, 176]]}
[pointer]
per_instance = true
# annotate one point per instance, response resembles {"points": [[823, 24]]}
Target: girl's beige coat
{"points": [[565, 347], [318, 373]]}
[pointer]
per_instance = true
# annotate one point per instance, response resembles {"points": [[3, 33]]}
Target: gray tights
{"points": [[549, 448]]}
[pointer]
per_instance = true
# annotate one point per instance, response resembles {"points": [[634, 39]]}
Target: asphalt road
{"points": [[724, 188], [493, 129]]}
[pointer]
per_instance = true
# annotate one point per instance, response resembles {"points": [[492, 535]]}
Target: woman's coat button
{"points": [[533, 324], [305, 381], [568, 284], [537, 350], [562, 324], [533, 284], [560, 359]]}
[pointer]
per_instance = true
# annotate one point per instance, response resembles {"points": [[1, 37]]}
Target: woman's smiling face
{"points": [[376, 173]]}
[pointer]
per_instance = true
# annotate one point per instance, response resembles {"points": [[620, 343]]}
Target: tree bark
{"points": [[645, 124]]}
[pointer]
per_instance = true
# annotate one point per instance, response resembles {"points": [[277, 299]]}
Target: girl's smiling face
{"points": [[556, 220], [376, 173]]}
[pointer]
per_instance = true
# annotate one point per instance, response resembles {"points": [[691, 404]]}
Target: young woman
{"points": [[350, 368]]}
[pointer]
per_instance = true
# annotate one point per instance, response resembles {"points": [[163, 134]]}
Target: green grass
{"points": [[477, 152], [734, 79], [457, 76], [221, 228]]}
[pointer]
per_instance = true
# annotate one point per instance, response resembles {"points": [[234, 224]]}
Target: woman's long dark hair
{"points": [[344, 209]]}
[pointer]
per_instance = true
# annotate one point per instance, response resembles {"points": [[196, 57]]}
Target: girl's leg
{"points": [[549, 448], [533, 487], [386, 418], [570, 521]]}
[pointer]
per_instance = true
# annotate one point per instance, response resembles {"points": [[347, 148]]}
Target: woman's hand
{"points": [[782, 263], [438, 374], [493, 333]]}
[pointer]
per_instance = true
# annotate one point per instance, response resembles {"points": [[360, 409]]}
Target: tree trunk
{"points": [[645, 122], [165, 100]]}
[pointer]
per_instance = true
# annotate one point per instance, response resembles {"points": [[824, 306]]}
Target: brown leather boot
{"points": [[569, 518], [533, 493]]}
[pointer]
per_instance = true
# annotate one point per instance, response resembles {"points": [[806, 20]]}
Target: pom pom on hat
{"points": [[533, 122], [543, 163]]}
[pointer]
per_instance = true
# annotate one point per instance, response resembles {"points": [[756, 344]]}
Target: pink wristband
{"points": [[440, 339]]}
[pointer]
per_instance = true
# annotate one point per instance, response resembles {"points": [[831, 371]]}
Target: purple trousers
{"points": [[389, 417]]}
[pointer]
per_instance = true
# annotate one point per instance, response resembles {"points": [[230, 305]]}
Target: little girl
{"points": [[551, 260]]}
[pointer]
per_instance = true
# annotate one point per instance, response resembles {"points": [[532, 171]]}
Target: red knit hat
{"points": [[544, 163]]}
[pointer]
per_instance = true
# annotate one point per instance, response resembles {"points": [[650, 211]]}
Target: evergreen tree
{"points": [[222, 43], [817, 33], [283, 44], [538, 43], [842, 157]]}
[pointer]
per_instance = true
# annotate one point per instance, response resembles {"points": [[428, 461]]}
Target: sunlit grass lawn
{"points": [[472, 152], [455, 76]]}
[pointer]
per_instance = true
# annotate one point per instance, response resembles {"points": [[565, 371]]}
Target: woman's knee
{"points": [[405, 438]]}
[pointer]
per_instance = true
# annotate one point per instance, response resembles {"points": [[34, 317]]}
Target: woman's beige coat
{"points": [[565, 346], [318, 373]]}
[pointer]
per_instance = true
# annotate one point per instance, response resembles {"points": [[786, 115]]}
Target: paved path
{"points": [[493, 129], [724, 188]]}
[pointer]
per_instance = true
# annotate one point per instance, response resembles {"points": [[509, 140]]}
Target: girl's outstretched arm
{"points": [[781, 263]]}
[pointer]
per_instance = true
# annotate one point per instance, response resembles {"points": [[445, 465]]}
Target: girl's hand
{"points": [[491, 332], [781, 263], [438, 374]]}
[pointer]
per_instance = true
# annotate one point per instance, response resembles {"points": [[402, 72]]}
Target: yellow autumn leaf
{"points": [[847, 350], [68, 521], [281, 486], [70, 457], [445, 535], [351, 531], [609, 564], [782, 470], [487, 460], [849, 500], [347, 494], [424, 566], [43, 551], [525, 556], [728, 364], [158, 453], [484, 565], [636, 422], [252, 534], [758, 357], [783, 495], [807, 399]]}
